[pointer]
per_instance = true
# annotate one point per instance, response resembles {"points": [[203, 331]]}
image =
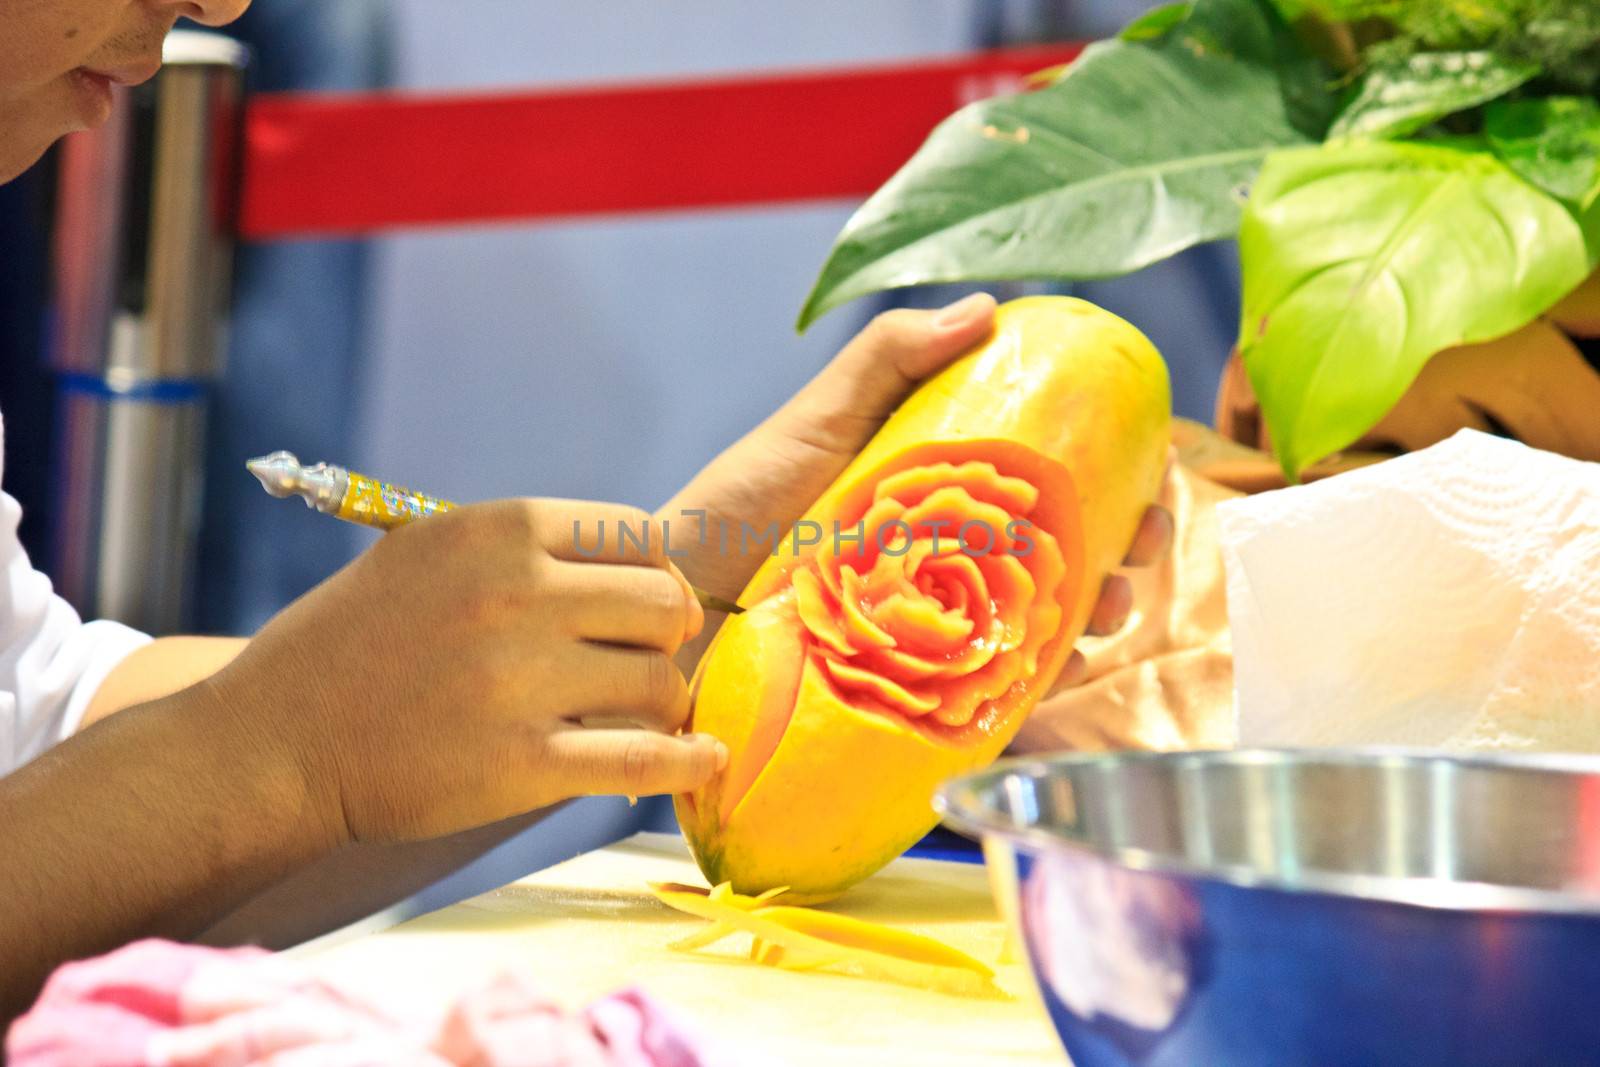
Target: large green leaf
{"points": [[1399, 98], [1140, 150], [1340, 10], [1362, 260], [1589, 219], [1553, 142], [1158, 21]]}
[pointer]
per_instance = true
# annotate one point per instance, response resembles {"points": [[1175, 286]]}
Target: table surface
{"points": [[590, 927]]}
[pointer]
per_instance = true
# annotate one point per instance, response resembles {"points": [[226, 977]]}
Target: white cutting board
{"points": [[590, 927]]}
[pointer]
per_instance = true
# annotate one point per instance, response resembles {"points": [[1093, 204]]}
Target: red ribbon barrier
{"points": [[326, 165]]}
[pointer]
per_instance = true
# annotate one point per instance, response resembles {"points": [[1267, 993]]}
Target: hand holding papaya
{"points": [[780, 468], [447, 673], [933, 592]]}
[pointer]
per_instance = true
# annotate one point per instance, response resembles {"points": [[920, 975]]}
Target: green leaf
{"points": [[1401, 97], [1047, 76], [1589, 220], [1157, 21], [1141, 150], [1346, 10], [1553, 142], [1363, 260]]}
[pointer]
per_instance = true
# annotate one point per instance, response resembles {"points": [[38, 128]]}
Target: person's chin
{"points": [[42, 123], [15, 160]]}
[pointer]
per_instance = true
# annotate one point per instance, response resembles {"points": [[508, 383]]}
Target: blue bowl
{"points": [[1335, 908]]}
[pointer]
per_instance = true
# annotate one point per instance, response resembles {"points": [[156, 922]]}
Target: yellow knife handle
{"points": [[373, 503]]}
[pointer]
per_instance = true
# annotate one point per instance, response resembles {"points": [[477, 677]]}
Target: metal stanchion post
{"points": [[143, 259]]}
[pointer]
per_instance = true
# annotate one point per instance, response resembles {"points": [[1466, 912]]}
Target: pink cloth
{"points": [[158, 1004]]}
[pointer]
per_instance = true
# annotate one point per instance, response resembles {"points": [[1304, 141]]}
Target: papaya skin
{"points": [[821, 792]]}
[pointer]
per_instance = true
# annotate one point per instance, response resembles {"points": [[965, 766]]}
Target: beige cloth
{"points": [[1165, 681]]}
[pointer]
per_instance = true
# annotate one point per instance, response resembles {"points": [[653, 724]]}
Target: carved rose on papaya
{"points": [[949, 601], [869, 669]]}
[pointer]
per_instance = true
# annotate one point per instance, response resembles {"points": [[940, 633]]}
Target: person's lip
{"points": [[95, 86], [94, 97], [136, 73]]}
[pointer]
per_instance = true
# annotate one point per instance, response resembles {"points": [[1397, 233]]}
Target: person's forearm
{"points": [[160, 669], [153, 823]]}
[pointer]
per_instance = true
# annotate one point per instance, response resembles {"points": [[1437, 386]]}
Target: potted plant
{"points": [[1403, 177]]}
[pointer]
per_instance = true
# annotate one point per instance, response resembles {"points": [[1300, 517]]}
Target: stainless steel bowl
{"points": [[1302, 908]]}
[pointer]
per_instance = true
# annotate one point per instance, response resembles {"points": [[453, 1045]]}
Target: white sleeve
{"points": [[51, 663]]}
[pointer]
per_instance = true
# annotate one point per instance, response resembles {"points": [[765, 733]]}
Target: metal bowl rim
{"points": [[964, 815]]}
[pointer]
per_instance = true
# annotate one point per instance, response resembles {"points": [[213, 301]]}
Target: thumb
{"points": [[635, 763], [844, 405]]}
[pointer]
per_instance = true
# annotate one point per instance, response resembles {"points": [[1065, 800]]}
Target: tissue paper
{"points": [[1447, 598]]}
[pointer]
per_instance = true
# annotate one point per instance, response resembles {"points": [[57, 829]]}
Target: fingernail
{"points": [[722, 757], [964, 311], [1166, 532], [1168, 523]]}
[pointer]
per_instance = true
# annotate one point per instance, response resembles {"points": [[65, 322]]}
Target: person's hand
{"points": [[782, 466], [442, 681], [1151, 543], [779, 469]]}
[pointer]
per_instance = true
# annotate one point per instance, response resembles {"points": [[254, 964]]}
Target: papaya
{"points": [[904, 628]]}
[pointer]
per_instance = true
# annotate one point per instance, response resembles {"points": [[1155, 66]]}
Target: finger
{"points": [[1073, 673], [633, 763], [696, 617], [914, 343], [635, 607], [1153, 540], [582, 532], [843, 406], [1112, 609], [635, 685]]}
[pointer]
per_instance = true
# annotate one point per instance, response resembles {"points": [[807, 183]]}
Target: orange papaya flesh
{"points": [[755, 665], [867, 671], [957, 613]]}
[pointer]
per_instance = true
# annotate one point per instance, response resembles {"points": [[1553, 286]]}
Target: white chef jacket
{"points": [[51, 662]]}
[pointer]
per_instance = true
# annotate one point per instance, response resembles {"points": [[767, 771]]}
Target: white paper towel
{"points": [[1449, 598]]}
